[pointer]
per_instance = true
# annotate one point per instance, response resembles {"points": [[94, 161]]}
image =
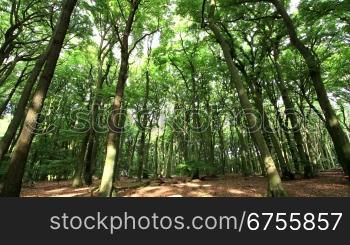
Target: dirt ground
{"points": [[328, 184]]}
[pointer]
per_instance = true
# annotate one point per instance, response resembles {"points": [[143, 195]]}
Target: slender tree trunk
{"points": [[91, 159], [15, 139], [275, 188], [113, 137], [292, 146], [244, 154], [13, 179], [156, 157], [292, 116], [270, 134], [141, 154], [132, 153], [146, 162], [143, 130], [170, 157], [222, 150], [118, 158], [339, 138], [79, 167]]}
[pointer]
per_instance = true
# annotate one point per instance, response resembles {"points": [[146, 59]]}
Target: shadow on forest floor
{"points": [[328, 184]]}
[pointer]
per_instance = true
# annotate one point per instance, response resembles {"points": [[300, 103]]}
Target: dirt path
{"points": [[328, 184]]}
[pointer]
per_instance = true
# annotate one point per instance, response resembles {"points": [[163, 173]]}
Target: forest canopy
{"points": [[97, 91]]}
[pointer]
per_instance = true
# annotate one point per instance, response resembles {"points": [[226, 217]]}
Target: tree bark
{"points": [[13, 179], [156, 157], [293, 118], [113, 137], [170, 157], [79, 167], [275, 188], [120, 144], [132, 153], [143, 130]]}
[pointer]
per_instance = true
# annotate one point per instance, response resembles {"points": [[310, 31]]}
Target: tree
{"points": [[275, 188], [339, 138], [113, 137], [13, 179]]}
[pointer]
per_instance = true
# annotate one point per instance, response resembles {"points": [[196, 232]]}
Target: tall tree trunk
{"points": [[143, 130], [113, 137], [79, 167], [245, 166], [292, 146], [270, 135], [118, 158], [222, 150], [132, 153], [91, 158], [170, 157], [114, 133], [339, 138], [156, 157], [292, 116], [146, 162], [275, 188], [141, 154], [90, 161], [13, 179]]}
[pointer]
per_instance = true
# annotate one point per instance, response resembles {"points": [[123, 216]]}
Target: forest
{"points": [[172, 98]]}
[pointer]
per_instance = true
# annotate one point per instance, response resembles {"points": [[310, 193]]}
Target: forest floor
{"points": [[327, 184]]}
